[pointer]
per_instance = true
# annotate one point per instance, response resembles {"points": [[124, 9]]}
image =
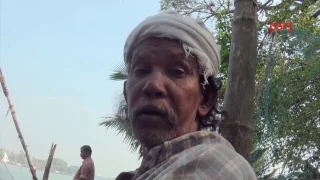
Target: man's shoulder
{"points": [[219, 158], [210, 160], [217, 153], [210, 150], [207, 143], [200, 146], [88, 162]]}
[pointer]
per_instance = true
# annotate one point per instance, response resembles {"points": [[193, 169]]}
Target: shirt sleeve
{"points": [[218, 162]]}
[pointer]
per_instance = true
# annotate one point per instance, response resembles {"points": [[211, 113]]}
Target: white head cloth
{"points": [[195, 37]]}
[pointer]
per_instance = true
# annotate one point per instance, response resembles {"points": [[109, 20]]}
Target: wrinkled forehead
{"points": [[161, 50], [151, 46]]}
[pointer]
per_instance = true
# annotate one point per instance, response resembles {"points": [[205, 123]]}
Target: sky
{"points": [[56, 57]]}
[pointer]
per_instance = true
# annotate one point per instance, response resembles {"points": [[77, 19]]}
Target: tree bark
{"points": [[13, 113], [237, 127], [49, 162]]}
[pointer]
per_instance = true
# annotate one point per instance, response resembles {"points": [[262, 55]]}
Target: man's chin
{"points": [[151, 138]]}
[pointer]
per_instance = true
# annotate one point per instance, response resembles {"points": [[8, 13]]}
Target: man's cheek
{"points": [[134, 86], [132, 98]]}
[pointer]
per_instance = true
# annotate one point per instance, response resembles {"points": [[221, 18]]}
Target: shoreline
{"points": [[26, 166]]}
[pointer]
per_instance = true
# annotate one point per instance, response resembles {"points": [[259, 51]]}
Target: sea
{"points": [[23, 173]]}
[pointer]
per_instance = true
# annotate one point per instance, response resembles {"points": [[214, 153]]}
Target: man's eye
{"points": [[140, 71], [177, 72]]}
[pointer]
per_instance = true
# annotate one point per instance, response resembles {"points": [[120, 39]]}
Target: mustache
{"points": [[167, 113]]}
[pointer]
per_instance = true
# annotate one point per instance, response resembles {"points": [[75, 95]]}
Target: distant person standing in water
{"points": [[86, 171]]}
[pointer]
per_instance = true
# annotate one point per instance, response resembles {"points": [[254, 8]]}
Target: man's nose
{"points": [[154, 86]]}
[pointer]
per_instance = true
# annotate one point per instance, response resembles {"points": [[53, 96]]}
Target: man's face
{"points": [[163, 92], [83, 154]]}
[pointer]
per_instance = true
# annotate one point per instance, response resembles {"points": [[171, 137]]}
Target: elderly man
{"points": [[172, 63]]}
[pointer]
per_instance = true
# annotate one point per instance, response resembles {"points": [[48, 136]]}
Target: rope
{"points": [[8, 170]]}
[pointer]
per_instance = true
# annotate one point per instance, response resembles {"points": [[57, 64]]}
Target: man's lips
{"points": [[150, 116], [153, 121], [150, 111]]}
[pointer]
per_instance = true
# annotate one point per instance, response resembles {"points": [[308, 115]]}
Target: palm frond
{"points": [[257, 157], [120, 73], [260, 162], [118, 76], [122, 126]]}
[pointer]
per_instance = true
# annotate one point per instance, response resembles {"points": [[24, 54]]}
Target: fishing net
{"points": [[286, 118]]}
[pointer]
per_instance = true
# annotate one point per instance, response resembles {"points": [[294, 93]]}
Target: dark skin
{"points": [[83, 154], [160, 73]]}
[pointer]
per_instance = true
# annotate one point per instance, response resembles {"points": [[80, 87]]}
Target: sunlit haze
{"points": [[56, 57]]}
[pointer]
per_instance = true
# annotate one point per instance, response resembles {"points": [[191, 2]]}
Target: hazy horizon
{"points": [[17, 152], [56, 57]]}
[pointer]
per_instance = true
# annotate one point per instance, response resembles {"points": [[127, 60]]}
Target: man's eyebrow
{"points": [[139, 56], [177, 56], [181, 58]]}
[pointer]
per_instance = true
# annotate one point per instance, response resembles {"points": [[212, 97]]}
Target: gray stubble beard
{"points": [[151, 139]]}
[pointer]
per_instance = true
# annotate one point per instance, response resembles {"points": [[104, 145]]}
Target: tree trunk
{"points": [[49, 162], [237, 127], [13, 113]]}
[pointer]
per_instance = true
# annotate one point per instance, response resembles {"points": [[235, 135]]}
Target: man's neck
{"points": [[147, 149], [87, 157]]}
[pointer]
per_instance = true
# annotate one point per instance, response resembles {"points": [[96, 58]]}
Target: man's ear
{"points": [[125, 90], [209, 98]]}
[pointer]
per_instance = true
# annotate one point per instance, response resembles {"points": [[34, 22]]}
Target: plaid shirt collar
{"points": [[166, 150]]}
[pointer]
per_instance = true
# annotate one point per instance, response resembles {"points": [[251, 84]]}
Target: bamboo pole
{"points": [[238, 103], [49, 162], [13, 113]]}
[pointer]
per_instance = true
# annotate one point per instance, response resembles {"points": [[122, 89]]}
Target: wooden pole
{"points": [[237, 128], [13, 113], [49, 162]]}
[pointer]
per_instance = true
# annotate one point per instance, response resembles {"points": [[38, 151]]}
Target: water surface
{"points": [[22, 173]]}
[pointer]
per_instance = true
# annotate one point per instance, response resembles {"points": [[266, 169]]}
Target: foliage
{"points": [[120, 73], [57, 164], [122, 126], [15, 157], [287, 113], [1, 153], [287, 82], [258, 161], [72, 169]]}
